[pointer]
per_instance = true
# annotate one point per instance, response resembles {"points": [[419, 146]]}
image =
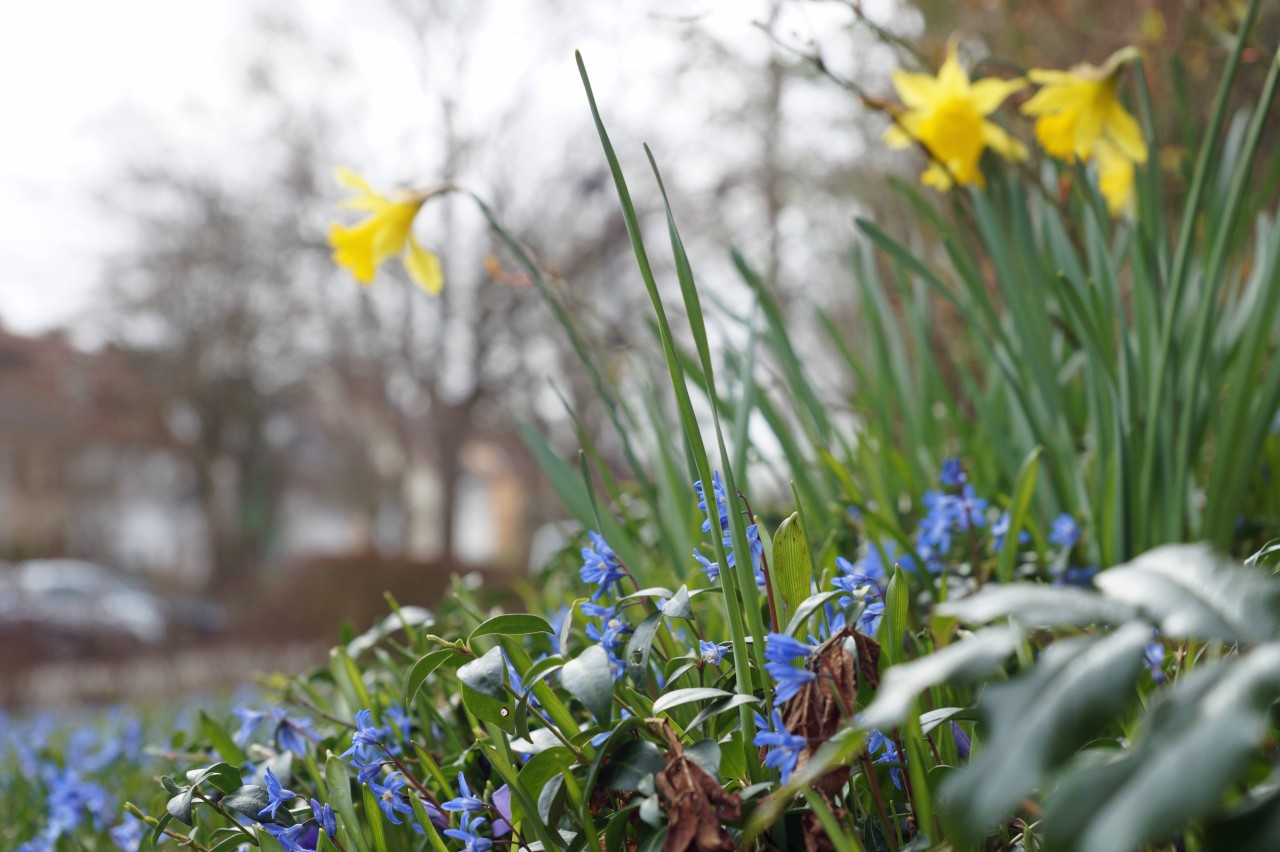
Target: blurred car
{"points": [[72, 607]]}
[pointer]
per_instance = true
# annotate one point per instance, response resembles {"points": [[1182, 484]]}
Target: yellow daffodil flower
{"points": [[948, 115], [1079, 116], [387, 232]]}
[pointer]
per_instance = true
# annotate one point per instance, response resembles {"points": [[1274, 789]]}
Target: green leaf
{"points": [[678, 697], [248, 800], [807, 608], [792, 566], [338, 783], [1189, 590], [589, 679], [377, 830], [976, 657], [1038, 605], [678, 605], [631, 765], [179, 807], [512, 624], [893, 626], [423, 668], [224, 776], [486, 675], [639, 646], [705, 753], [221, 741], [535, 774], [1024, 488], [1197, 746], [1076, 688], [718, 707]]}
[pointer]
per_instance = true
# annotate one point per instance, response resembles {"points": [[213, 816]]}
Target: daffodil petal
{"points": [[999, 140], [952, 78], [896, 137], [423, 267], [1123, 131], [1115, 179], [988, 93], [916, 90], [353, 249], [352, 180]]}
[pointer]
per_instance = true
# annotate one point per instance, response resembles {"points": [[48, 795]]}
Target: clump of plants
{"points": [[917, 649]]}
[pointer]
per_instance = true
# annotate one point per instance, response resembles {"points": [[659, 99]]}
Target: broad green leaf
{"points": [[1038, 605], [425, 665], [589, 679], [639, 646], [630, 765], [248, 800], [715, 709], [179, 807], [224, 776], [1190, 591], [511, 624], [1197, 746], [979, 656], [535, 774], [486, 675], [1076, 688], [792, 567], [807, 608], [678, 697], [678, 605], [705, 753]]}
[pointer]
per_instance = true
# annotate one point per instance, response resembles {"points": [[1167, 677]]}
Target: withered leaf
{"points": [[696, 805], [825, 705]]}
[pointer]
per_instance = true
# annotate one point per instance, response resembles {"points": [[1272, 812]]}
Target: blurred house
{"points": [[94, 464]]}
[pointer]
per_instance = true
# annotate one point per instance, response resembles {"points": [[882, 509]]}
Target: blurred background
{"points": [[215, 447]]}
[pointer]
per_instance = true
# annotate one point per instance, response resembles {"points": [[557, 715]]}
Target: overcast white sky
{"points": [[80, 80]]}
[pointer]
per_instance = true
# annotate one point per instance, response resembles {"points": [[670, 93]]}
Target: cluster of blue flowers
{"points": [[887, 751], [951, 515], [73, 797], [754, 544], [784, 747], [288, 733], [602, 567], [781, 651]]}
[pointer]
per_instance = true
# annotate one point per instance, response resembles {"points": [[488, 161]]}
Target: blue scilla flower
{"points": [[464, 802], [467, 833], [391, 798], [249, 720], [780, 651], [366, 770], [1065, 532], [878, 742], [324, 817], [953, 475], [1000, 529], [600, 565], [276, 795], [712, 569], [781, 648], [1076, 575], [784, 746], [869, 621], [1153, 659], [722, 501], [294, 838], [367, 741], [292, 734], [869, 570], [710, 652]]}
